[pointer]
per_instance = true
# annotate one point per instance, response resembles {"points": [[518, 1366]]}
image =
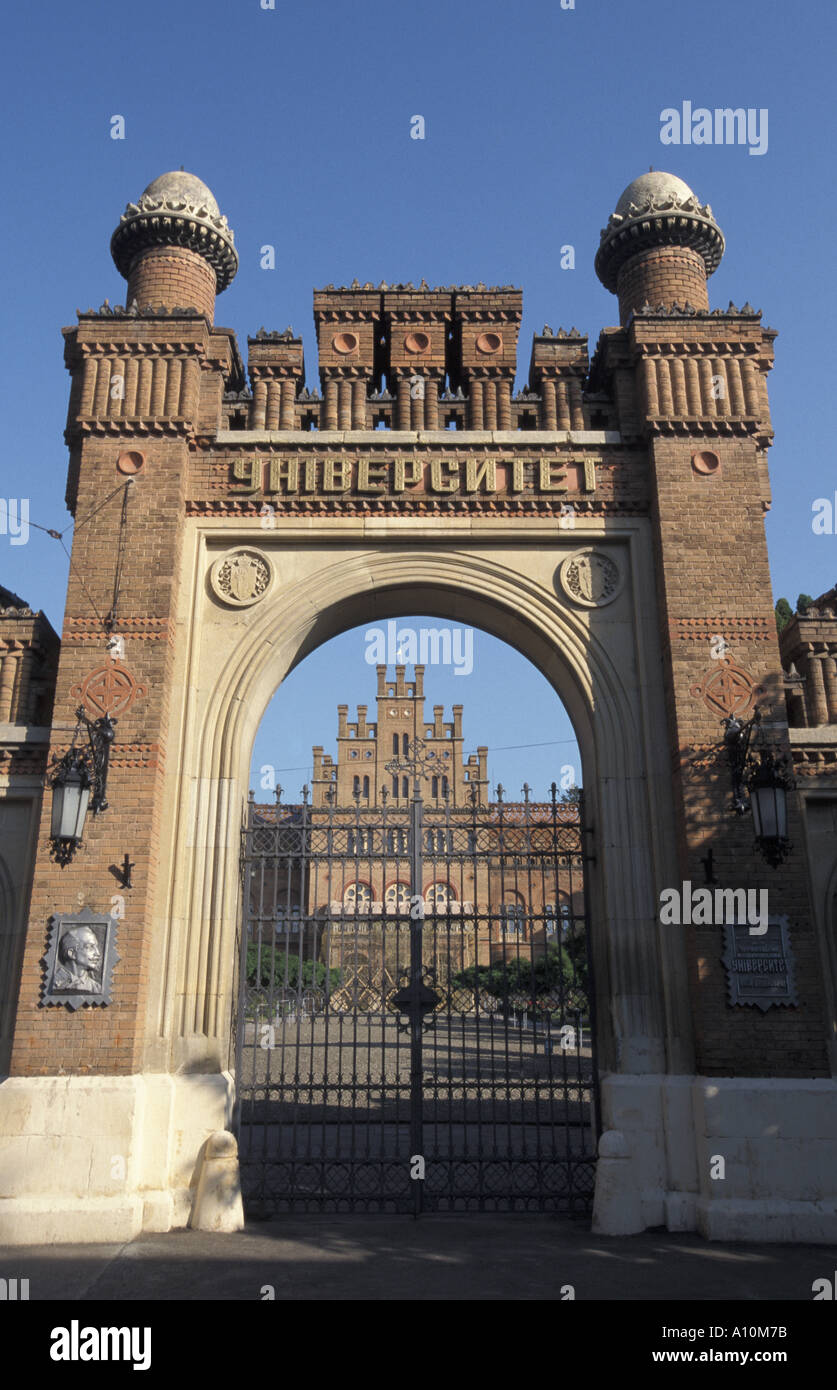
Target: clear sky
{"points": [[298, 118]]}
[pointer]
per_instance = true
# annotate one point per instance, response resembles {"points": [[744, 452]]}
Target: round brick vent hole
{"points": [[706, 462], [489, 342], [344, 342], [130, 461], [417, 342]]}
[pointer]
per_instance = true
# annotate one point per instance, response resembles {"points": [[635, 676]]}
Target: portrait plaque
{"points": [[760, 968], [79, 959]]}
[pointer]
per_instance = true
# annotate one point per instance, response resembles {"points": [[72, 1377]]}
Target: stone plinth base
{"points": [[745, 1158], [102, 1158]]}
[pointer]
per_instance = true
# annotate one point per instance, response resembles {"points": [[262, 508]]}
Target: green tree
{"points": [[784, 613], [270, 966], [803, 603], [553, 973]]}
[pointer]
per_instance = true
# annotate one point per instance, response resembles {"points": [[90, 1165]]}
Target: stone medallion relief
{"points": [[240, 578], [590, 578]]}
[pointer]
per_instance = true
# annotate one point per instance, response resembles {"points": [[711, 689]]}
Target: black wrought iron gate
{"points": [[415, 1028]]}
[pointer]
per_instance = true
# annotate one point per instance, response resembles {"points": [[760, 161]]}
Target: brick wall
{"points": [[662, 275], [174, 277]]}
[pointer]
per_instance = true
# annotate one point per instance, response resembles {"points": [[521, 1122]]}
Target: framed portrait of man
{"points": [[80, 959]]}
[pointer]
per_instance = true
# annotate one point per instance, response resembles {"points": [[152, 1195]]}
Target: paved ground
{"points": [[447, 1258]]}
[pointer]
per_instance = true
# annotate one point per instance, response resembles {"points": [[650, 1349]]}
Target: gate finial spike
{"points": [[305, 791], [278, 792], [553, 791], [526, 791], [500, 790]]}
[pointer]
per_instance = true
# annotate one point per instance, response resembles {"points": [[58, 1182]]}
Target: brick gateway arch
{"points": [[607, 522]]}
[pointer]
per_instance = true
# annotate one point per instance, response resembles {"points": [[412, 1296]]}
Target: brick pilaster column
{"points": [[815, 691]]}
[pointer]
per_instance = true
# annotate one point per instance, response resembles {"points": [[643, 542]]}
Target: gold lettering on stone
{"points": [[547, 482], [246, 471], [337, 475], [589, 475], [476, 473], [283, 475], [366, 482], [437, 483], [517, 475], [400, 474]]}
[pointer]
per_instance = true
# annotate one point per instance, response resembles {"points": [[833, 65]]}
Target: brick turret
{"points": [[174, 247], [659, 246]]}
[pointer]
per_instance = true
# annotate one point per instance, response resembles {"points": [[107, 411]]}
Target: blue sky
{"points": [[299, 119]]}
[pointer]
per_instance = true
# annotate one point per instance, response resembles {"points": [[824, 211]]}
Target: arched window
{"points": [[405, 787], [397, 898], [366, 787], [405, 745], [395, 744], [438, 898], [513, 918], [395, 787], [434, 787], [444, 786], [288, 919], [357, 898], [355, 786], [558, 913], [396, 842]]}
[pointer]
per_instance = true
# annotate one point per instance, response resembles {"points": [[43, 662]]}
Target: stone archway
{"points": [[641, 976]]}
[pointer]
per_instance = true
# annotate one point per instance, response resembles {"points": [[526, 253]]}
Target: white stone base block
{"points": [[88, 1159], [734, 1158], [218, 1205], [62, 1221]]}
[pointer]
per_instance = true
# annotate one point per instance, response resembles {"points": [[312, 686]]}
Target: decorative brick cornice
{"points": [[138, 755], [682, 311], [741, 425], [814, 761], [82, 631], [173, 427], [746, 629], [22, 760], [119, 311], [123, 755], [423, 506]]}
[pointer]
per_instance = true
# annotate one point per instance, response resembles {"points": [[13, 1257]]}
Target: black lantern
{"points": [[71, 788], [759, 784], [80, 780], [768, 786]]}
